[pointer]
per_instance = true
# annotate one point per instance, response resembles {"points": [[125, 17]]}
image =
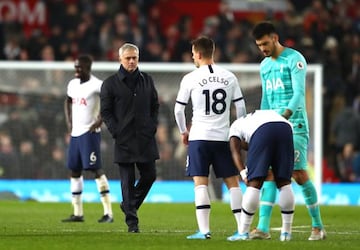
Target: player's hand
{"points": [[243, 174], [95, 126], [287, 113], [185, 138]]}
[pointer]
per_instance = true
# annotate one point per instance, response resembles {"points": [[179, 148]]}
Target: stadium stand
{"points": [[326, 32]]}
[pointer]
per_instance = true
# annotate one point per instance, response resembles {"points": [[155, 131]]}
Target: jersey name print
{"points": [[214, 79]]}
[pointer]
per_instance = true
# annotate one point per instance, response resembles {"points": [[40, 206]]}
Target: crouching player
{"points": [[268, 138]]}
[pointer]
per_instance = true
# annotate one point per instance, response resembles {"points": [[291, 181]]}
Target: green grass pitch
{"points": [[33, 225]]}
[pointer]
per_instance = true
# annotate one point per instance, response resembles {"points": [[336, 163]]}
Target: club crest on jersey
{"points": [[300, 65], [274, 84]]}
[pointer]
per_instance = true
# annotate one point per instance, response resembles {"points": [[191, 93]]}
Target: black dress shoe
{"points": [[74, 218], [133, 229]]}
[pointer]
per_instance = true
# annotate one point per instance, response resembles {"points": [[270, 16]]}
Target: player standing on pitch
{"points": [[212, 90], [283, 76], [82, 112]]}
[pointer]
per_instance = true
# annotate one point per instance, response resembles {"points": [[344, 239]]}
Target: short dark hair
{"points": [[86, 60], [263, 28], [205, 45]]}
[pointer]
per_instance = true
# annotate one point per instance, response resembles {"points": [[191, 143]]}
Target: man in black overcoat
{"points": [[129, 108]]}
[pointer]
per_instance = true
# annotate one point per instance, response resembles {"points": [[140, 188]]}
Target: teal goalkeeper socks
{"points": [[267, 200], [311, 201]]}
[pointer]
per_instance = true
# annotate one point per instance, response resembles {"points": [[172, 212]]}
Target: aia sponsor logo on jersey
{"points": [[274, 84], [79, 101]]}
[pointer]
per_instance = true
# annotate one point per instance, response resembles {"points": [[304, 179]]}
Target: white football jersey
{"points": [[245, 126], [85, 103], [212, 90]]}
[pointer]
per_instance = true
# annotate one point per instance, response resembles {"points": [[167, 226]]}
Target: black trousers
{"points": [[133, 192]]}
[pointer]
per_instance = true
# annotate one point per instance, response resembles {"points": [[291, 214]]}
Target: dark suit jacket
{"points": [[131, 117]]}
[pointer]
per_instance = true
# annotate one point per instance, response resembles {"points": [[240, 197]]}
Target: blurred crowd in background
{"points": [[326, 32]]}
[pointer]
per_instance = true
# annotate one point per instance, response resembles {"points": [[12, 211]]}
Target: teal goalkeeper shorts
{"points": [[300, 148]]}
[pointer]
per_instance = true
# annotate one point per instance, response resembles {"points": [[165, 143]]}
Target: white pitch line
{"points": [[296, 229]]}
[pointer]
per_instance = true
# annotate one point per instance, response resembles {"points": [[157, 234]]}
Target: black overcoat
{"points": [[131, 116]]}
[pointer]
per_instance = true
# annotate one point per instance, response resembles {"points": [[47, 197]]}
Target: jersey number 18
{"points": [[218, 105]]}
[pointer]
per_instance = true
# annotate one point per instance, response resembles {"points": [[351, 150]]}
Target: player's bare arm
{"points": [[235, 147], [68, 114], [287, 113], [96, 124]]}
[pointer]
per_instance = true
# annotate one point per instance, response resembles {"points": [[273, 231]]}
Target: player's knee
{"points": [[232, 181], [75, 174], [97, 172], [256, 183], [282, 182], [270, 176], [300, 176]]}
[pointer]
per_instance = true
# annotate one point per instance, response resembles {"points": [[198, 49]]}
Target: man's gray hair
{"points": [[128, 46]]}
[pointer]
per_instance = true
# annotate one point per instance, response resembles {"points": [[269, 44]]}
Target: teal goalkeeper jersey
{"points": [[283, 87]]}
